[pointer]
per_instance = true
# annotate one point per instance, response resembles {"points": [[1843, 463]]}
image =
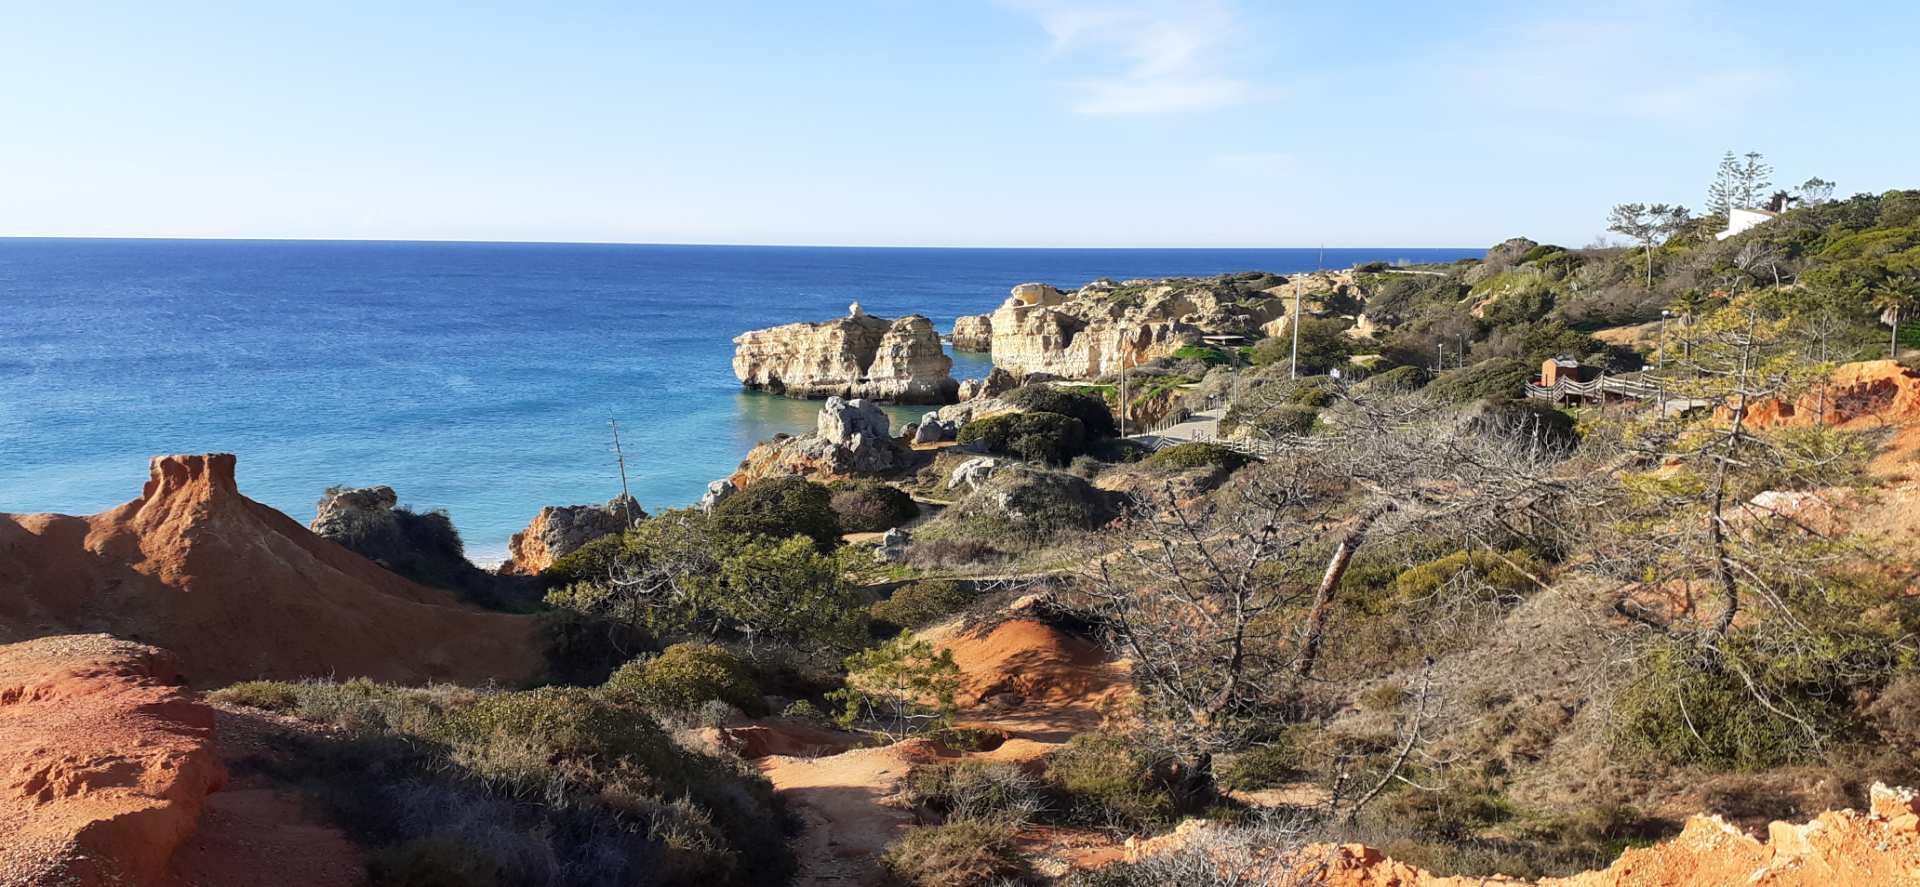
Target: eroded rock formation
{"points": [[559, 530], [1105, 326], [854, 356], [852, 438], [105, 763], [238, 590], [973, 332]]}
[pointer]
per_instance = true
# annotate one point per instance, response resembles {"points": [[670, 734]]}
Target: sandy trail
{"points": [[1024, 679]]}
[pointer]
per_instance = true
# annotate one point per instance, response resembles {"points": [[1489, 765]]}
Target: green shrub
{"points": [[1316, 392], [1398, 379], [985, 790], [1501, 377], [1206, 354], [902, 687], [962, 853], [686, 675], [1036, 437], [1274, 420], [776, 508], [1091, 409], [920, 603], [1500, 574], [559, 724], [1687, 705], [588, 563], [265, 695], [1324, 345], [869, 506], [447, 785], [1263, 766], [1198, 455], [1107, 780], [785, 591]]}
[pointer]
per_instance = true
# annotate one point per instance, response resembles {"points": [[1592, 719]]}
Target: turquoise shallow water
{"points": [[473, 377]]}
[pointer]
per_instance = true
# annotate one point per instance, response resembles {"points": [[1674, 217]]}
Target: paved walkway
{"points": [[1199, 426]]}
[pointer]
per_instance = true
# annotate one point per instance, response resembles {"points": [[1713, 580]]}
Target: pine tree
{"points": [[1721, 195], [1754, 177]]}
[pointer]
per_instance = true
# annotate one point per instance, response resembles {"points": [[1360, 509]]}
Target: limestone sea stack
{"points": [[857, 356], [973, 332]]}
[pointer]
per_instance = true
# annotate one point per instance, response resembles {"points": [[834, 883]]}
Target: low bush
{"points": [[869, 506], [776, 508], [588, 563], [984, 790], [1527, 419], [1198, 455], [1502, 574], [962, 853], [1205, 354], [1324, 345], [1091, 409], [687, 675], [1036, 437], [1688, 706], [1262, 766], [1108, 780], [917, 604], [263, 695], [1502, 377], [1398, 379], [1274, 420], [446, 785]]}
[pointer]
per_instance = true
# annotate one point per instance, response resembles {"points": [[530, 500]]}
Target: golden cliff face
{"points": [[858, 355], [1106, 326]]}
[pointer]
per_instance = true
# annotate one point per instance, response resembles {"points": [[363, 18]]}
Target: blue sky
{"points": [[1017, 123]]}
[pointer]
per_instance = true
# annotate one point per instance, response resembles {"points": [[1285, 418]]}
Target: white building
{"points": [[1739, 220]]}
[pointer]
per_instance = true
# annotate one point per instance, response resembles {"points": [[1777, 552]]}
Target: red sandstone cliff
{"points": [[238, 590]]}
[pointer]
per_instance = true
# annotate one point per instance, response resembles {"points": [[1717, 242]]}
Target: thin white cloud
{"points": [[1159, 57], [1652, 63]]}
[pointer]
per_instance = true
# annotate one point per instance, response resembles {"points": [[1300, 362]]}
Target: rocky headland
{"points": [[857, 356], [1108, 325]]}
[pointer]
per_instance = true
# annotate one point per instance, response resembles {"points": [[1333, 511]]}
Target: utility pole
{"points": [[1441, 366], [626, 501], [1293, 367], [1123, 398]]}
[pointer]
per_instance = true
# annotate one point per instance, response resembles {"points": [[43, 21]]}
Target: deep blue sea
{"points": [[474, 377]]}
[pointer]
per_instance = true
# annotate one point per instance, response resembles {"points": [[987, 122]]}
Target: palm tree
{"points": [[1890, 297]]}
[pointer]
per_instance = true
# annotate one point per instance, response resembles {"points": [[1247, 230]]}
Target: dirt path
{"points": [[1024, 679]]}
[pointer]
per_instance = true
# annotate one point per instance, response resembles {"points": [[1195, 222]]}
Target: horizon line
{"points": [[304, 238]]}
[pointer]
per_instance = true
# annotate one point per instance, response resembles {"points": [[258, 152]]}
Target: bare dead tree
{"points": [[1217, 604]]}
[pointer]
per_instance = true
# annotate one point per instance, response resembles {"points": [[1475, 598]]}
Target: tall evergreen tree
{"points": [[1741, 181], [1721, 194]]}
